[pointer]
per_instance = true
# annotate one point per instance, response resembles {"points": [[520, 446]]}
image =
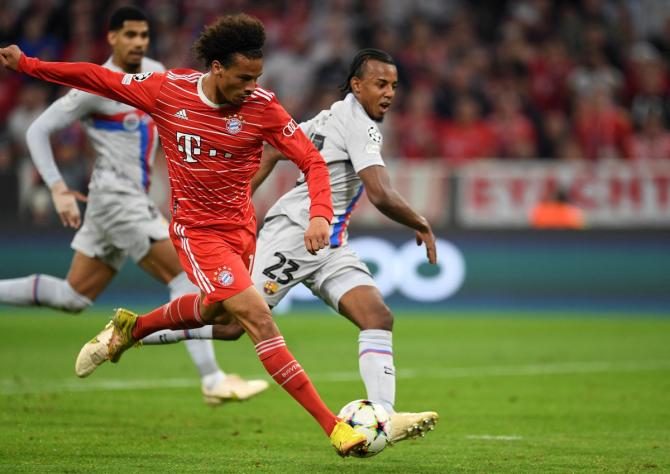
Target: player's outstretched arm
{"points": [[137, 90], [390, 203]]}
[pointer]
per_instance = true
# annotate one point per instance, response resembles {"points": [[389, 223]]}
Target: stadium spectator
{"points": [[420, 127], [549, 70], [460, 80], [514, 133], [10, 85], [652, 142], [31, 103], [8, 182], [648, 85], [35, 38], [594, 73], [291, 70], [468, 136], [602, 127], [554, 133]]}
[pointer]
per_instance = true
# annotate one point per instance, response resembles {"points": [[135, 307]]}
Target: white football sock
{"points": [[42, 290], [201, 351], [375, 362], [172, 336]]}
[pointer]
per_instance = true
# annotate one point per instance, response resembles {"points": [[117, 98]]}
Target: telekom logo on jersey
{"points": [[190, 145]]}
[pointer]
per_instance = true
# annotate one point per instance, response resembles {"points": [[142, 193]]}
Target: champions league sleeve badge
{"points": [[234, 124], [375, 136]]}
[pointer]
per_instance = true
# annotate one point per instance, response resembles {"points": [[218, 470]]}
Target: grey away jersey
{"points": [[124, 138], [349, 141]]}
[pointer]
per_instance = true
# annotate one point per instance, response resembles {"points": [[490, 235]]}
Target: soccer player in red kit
{"points": [[212, 127]]}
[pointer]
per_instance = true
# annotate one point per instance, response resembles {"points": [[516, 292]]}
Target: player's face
{"points": [[129, 44], [237, 81], [376, 89]]}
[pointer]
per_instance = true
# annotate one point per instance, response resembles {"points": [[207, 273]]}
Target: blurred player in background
{"points": [[120, 218], [212, 128], [349, 139]]}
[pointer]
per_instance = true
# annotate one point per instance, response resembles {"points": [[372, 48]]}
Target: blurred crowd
{"points": [[516, 79]]}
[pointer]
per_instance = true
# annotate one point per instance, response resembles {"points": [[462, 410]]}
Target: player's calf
{"points": [[43, 290]]}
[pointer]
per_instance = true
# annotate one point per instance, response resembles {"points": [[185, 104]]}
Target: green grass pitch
{"points": [[547, 393]]}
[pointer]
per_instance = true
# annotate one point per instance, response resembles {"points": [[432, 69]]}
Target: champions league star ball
{"points": [[369, 419]]}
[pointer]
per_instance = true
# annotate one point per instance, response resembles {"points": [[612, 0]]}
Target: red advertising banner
{"points": [[611, 194]]}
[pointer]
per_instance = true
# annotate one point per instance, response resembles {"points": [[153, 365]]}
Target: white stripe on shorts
{"points": [[204, 283]]}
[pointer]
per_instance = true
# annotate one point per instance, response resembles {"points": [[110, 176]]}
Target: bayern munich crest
{"points": [[225, 276], [234, 124]]}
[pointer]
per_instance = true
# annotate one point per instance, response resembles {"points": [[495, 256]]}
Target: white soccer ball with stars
{"points": [[371, 420]]}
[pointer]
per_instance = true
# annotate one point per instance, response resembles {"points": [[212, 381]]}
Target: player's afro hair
{"points": [[362, 57], [228, 35], [123, 14]]}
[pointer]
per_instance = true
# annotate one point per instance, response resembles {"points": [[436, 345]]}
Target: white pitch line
{"points": [[495, 437], [13, 387]]}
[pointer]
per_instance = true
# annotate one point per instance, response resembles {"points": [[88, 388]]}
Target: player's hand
{"points": [[426, 236], [317, 235], [9, 57], [65, 202]]}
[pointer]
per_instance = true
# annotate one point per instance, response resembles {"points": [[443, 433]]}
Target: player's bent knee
{"points": [[380, 318], [57, 293], [258, 324], [227, 332], [73, 302], [368, 313]]}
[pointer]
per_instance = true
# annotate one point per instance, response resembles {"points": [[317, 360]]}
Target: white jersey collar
{"points": [[203, 97], [351, 99], [109, 64]]}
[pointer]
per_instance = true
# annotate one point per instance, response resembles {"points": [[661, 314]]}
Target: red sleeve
{"points": [[138, 90], [283, 133]]}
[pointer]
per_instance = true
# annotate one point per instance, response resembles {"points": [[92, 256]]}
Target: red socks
{"points": [[288, 373], [182, 313]]}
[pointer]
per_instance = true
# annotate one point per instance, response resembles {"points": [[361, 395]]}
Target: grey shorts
{"points": [[119, 225], [282, 262]]}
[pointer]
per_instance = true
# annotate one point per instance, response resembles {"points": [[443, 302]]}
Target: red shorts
{"points": [[217, 261]]}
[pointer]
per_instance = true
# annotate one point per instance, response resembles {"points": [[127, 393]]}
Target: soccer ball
{"points": [[371, 420]]}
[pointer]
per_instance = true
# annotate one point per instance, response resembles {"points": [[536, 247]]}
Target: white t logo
{"points": [[188, 147]]}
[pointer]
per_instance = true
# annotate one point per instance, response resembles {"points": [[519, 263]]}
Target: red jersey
{"points": [[213, 150]]}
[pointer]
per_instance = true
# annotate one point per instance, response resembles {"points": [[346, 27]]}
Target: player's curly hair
{"points": [[228, 35], [362, 57]]}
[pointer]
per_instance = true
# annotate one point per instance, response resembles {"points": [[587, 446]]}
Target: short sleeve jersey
{"points": [[349, 141]]}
